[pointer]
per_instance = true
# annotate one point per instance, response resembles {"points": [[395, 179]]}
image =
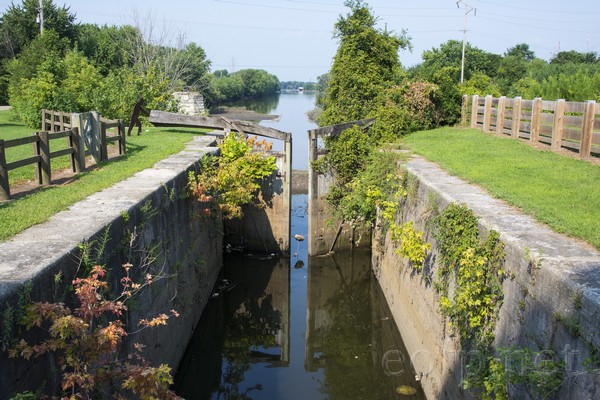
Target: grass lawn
{"points": [[559, 191], [142, 152], [9, 129]]}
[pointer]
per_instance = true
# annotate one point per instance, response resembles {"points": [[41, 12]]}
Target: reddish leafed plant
{"points": [[87, 341]]}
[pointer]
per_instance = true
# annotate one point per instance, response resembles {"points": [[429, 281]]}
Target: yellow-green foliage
{"points": [[477, 271], [412, 243], [233, 179]]}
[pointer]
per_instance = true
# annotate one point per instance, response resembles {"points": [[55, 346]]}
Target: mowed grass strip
{"points": [[559, 191], [143, 152]]}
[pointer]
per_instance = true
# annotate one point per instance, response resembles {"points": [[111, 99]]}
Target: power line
{"points": [[331, 11], [553, 21], [535, 27], [538, 10]]}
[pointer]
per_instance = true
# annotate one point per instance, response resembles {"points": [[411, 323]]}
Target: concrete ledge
{"points": [[189, 252], [551, 294]]}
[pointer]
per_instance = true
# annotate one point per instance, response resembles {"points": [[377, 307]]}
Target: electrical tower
{"points": [[468, 10]]}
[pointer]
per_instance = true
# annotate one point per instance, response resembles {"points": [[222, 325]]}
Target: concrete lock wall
{"points": [[266, 229], [552, 306], [325, 233], [185, 249]]}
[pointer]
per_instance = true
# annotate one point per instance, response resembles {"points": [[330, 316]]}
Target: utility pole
{"points": [[41, 16], [468, 9]]}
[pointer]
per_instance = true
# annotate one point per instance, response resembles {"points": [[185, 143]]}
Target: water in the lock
{"points": [[298, 328]]}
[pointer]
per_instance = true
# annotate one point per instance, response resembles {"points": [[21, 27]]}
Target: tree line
{"points": [[367, 80], [77, 67]]}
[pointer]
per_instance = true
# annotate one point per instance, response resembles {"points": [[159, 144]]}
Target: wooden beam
{"points": [[474, 111], [536, 111], [335, 130], [487, 114], [163, 118], [587, 129], [516, 117], [500, 115], [464, 110], [558, 127]]}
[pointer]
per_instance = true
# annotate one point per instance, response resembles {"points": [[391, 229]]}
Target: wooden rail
{"points": [[559, 124], [58, 125]]}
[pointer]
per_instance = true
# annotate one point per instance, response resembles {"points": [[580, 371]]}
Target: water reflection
{"points": [[292, 109], [299, 328], [263, 105]]}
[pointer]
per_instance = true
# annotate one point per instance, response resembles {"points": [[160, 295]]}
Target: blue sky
{"points": [[293, 38]]}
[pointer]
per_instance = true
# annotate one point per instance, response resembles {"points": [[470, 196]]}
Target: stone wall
{"points": [[146, 219], [551, 293], [189, 103]]}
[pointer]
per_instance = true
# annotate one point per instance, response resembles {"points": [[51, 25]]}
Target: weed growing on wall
{"points": [[233, 179], [473, 268], [87, 339], [411, 243], [540, 374]]}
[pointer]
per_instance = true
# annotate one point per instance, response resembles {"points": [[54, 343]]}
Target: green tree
{"points": [[482, 85], [449, 54], [520, 51], [366, 63], [105, 46], [18, 25], [245, 83], [448, 97], [572, 56]]}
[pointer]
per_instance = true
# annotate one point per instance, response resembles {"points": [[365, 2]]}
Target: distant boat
{"points": [[300, 89]]}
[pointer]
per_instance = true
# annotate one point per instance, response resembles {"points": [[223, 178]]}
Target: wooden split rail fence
{"points": [[57, 125], [560, 124]]}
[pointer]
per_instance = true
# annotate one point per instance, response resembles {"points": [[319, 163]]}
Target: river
{"points": [[297, 327], [292, 108]]}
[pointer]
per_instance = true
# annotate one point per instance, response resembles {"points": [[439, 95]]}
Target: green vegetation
{"points": [[295, 85], [10, 129], [77, 67], [366, 63], [540, 374], [476, 269], [142, 152], [232, 179], [87, 340], [246, 83], [557, 190]]}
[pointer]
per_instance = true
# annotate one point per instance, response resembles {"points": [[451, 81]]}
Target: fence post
{"points": [[487, 114], [516, 117], [463, 110], [474, 109], [536, 110], [103, 145], [4, 186], [558, 126], [122, 149], [78, 160], [587, 129], [500, 115], [44, 151]]}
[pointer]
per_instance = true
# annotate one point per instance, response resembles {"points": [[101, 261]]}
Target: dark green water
{"points": [[299, 328]]}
